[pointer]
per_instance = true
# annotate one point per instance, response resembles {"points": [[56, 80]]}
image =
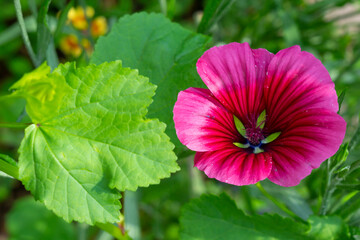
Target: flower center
{"points": [[254, 136]]}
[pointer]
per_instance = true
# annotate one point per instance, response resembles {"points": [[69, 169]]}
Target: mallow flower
{"points": [[264, 115]]}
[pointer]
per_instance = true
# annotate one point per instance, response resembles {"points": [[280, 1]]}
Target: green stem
{"points": [[113, 230], [14, 125], [131, 214], [9, 169], [82, 229], [328, 190], [279, 204], [24, 34], [163, 6]]}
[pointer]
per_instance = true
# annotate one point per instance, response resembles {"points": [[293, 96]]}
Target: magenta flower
{"points": [[264, 115]]}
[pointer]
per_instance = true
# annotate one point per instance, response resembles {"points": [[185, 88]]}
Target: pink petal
{"points": [[202, 123], [234, 165], [311, 137], [235, 74], [296, 81]]}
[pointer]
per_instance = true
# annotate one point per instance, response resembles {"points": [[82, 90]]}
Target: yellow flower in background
{"points": [[77, 17], [98, 26], [69, 45], [87, 46]]}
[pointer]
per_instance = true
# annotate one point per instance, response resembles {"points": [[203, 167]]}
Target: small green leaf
{"points": [[240, 127], [340, 156], [217, 217], [213, 12], [271, 137], [258, 150], [163, 51], [241, 145], [328, 228], [261, 120], [94, 142], [31, 220]]}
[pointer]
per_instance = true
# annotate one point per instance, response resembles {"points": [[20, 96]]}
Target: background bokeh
{"points": [[329, 29]]}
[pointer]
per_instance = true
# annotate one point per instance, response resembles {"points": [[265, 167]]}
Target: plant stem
{"points": [[9, 169], [24, 34], [113, 230], [14, 125], [163, 6], [131, 214], [328, 190], [279, 204]]}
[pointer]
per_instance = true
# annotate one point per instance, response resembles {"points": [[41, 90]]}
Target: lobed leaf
{"points": [[213, 217], [161, 50], [217, 217], [91, 140]]}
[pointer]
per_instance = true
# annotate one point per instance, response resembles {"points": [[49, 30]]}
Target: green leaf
{"points": [[62, 19], [213, 217], [8, 166], [94, 139], [31, 220], [161, 50], [241, 145], [261, 120], [43, 32], [240, 126], [340, 157], [271, 137], [214, 10], [328, 228]]}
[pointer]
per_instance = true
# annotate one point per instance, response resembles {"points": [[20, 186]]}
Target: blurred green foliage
{"points": [[274, 25]]}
